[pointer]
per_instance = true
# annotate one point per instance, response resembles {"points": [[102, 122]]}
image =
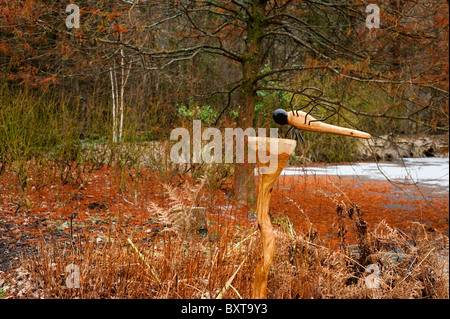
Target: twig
{"points": [[228, 283], [152, 270], [420, 263]]}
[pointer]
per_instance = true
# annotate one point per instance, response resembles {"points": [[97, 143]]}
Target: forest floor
{"points": [[310, 203]]}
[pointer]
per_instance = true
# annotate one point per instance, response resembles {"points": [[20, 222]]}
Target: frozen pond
{"points": [[430, 171]]}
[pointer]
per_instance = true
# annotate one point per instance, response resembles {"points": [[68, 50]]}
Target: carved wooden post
{"points": [[279, 151], [276, 152]]}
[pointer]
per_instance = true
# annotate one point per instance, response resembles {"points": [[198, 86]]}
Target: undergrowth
{"points": [[166, 260]]}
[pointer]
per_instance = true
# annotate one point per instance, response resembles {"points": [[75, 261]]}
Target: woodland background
{"points": [[135, 70], [85, 174]]}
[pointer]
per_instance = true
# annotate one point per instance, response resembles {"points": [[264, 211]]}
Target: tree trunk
{"points": [[244, 179], [114, 107]]}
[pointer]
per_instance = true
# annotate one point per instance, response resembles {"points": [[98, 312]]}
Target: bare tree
{"points": [[407, 56], [293, 37]]}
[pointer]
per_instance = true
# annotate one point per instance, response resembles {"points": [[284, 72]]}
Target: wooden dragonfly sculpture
{"points": [[299, 119]]}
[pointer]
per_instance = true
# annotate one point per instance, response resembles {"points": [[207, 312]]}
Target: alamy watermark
{"points": [[73, 19], [189, 148], [373, 280], [373, 19], [73, 279]]}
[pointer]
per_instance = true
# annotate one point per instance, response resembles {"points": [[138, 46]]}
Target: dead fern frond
{"points": [[181, 216], [167, 220]]}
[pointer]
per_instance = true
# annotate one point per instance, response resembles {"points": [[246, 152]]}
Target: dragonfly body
{"points": [[306, 122]]}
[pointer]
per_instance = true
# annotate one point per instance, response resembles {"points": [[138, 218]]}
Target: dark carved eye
{"points": [[280, 117]]}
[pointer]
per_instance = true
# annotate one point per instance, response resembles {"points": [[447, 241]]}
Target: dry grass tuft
{"points": [[386, 264]]}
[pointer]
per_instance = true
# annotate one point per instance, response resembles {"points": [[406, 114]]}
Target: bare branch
{"points": [[287, 69], [409, 117]]}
